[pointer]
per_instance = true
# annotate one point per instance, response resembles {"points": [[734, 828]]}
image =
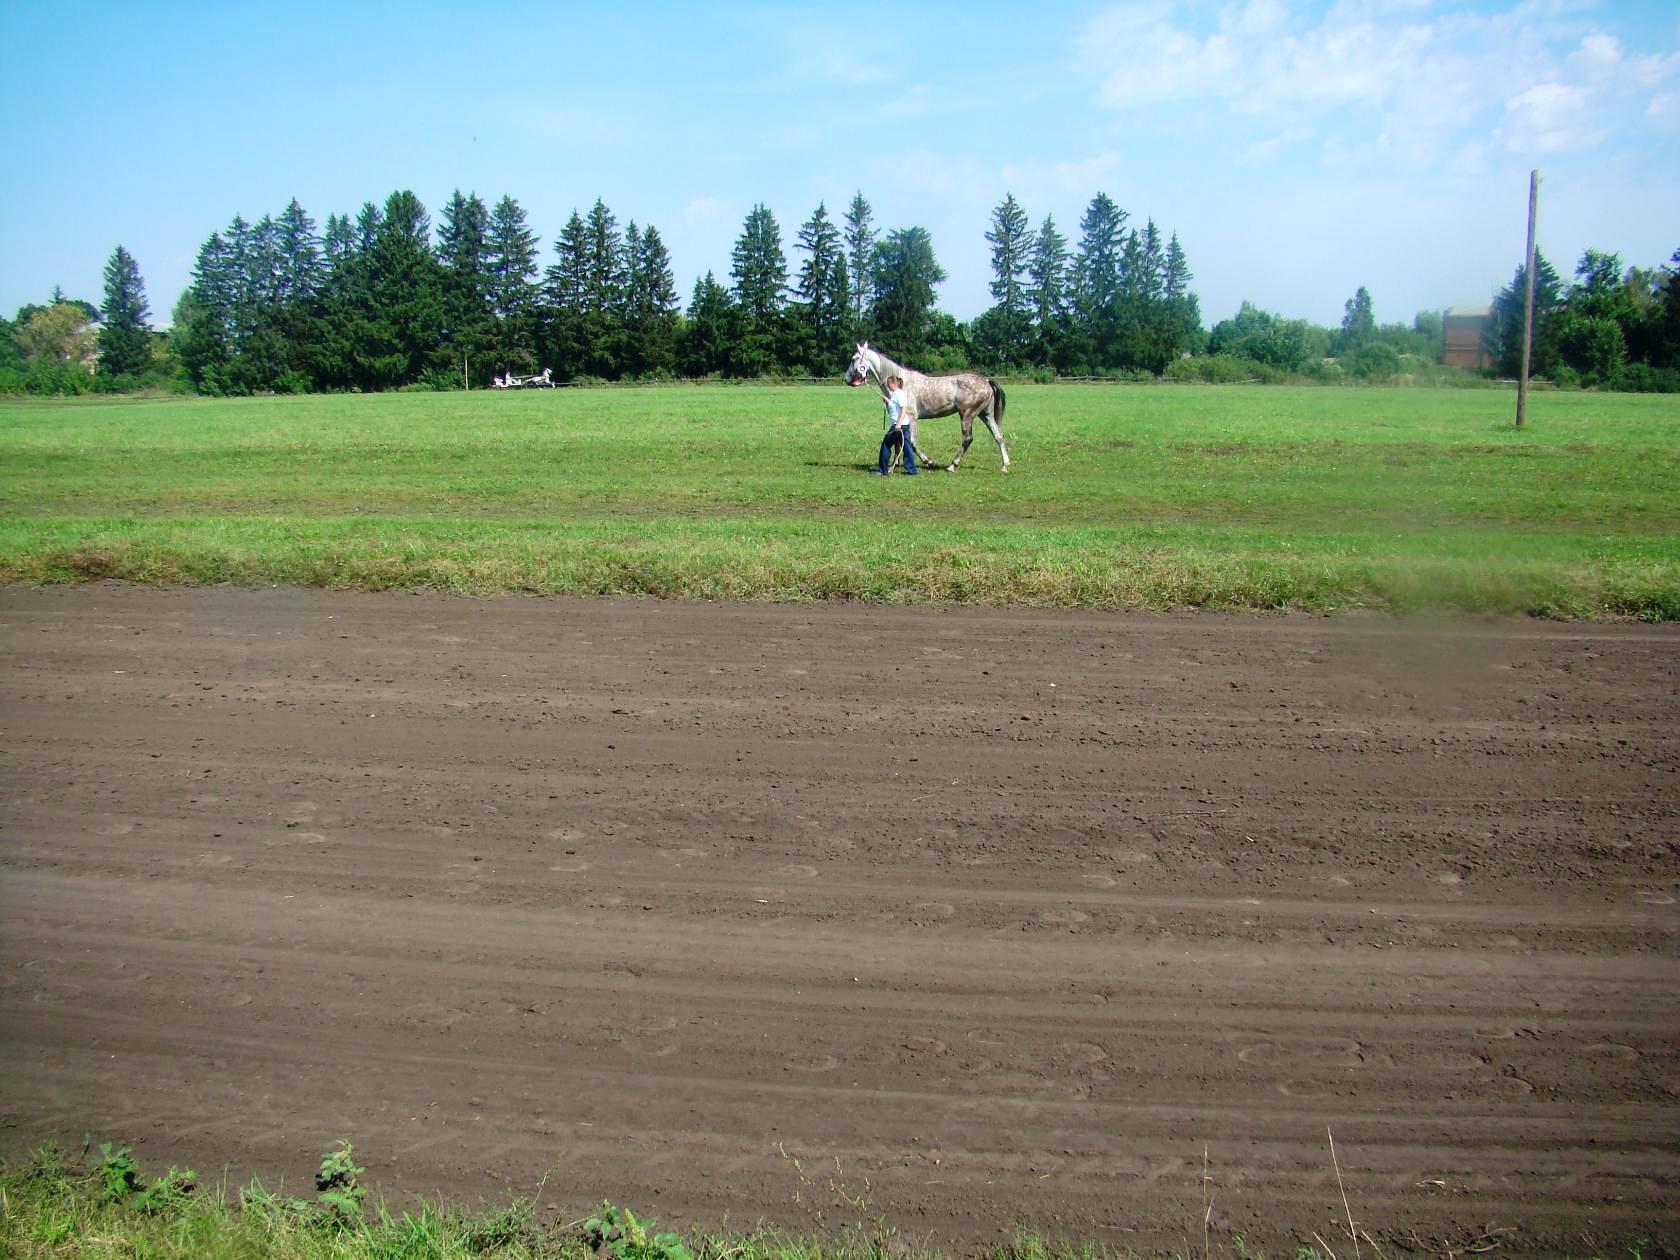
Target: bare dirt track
{"points": [[821, 915]]}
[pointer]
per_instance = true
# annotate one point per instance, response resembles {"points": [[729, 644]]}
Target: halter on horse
{"points": [[965, 395]]}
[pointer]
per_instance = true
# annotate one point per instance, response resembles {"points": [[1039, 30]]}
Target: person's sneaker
{"points": [[876, 472]]}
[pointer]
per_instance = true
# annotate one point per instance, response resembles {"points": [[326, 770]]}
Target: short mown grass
{"points": [[1247, 498]]}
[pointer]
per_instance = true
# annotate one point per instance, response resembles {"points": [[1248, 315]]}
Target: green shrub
{"points": [[1642, 378], [1222, 369], [1374, 361]]}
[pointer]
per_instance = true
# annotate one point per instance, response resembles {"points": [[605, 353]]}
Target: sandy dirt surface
{"points": [[943, 919]]}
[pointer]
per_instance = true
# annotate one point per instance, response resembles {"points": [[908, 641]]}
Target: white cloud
{"points": [[704, 210], [1598, 56], [1073, 176], [1471, 159], [914, 101], [1269, 149], [1173, 64], [1549, 118], [1399, 77], [812, 51]]}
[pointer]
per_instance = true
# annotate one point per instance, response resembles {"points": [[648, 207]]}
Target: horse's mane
{"points": [[887, 358]]}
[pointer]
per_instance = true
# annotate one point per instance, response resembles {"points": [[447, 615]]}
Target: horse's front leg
{"points": [[916, 446]]}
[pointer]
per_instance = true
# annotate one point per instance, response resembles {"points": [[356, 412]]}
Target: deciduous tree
{"points": [[60, 333], [1359, 325], [905, 274]]}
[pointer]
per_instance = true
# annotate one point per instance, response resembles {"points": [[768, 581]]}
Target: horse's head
{"points": [[863, 363]]}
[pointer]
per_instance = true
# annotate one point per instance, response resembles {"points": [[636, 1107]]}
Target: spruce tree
{"points": [[204, 338], [293, 319], [1011, 247], [338, 241], [1006, 323], [651, 304], [463, 248], [1096, 271], [125, 340], [759, 269], [345, 300], [1183, 307], [565, 294], [824, 302], [1141, 330], [1502, 337], [405, 315], [511, 264], [708, 334], [603, 320], [861, 239], [1046, 292], [368, 222], [300, 269]]}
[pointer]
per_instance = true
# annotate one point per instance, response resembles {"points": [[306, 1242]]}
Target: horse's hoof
{"points": [[950, 468]]}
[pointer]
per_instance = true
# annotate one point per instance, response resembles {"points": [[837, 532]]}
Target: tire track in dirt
{"points": [[822, 915]]}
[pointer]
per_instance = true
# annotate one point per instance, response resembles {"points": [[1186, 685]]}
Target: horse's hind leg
{"points": [[968, 437], [997, 433]]}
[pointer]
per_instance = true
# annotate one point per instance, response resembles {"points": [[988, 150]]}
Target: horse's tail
{"points": [[997, 400]]}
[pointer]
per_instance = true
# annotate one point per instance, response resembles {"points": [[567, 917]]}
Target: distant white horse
{"points": [[965, 395], [510, 381]]}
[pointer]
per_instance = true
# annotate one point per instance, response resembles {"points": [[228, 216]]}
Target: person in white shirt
{"points": [[898, 429]]}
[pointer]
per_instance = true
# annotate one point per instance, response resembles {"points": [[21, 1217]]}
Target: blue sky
{"points": [[1299, 150]]}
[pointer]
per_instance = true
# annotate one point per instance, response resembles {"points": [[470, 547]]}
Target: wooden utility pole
{"points": [[1528, 301]]}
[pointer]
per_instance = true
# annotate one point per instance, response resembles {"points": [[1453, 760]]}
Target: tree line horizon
{"points": [[382, 301]]}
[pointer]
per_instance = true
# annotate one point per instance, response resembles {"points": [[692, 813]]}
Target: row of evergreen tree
{"points": [[376, 302], [382, 301]]}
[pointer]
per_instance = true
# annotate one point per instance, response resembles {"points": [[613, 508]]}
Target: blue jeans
{"points": [[898, 436]]}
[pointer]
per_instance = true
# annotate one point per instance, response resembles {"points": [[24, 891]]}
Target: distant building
{"points": [[1461, 336]]}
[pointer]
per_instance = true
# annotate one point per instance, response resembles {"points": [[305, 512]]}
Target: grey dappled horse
{"points": [[965, 395]]}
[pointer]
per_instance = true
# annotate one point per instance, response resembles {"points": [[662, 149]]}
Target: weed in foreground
{"points": [[54, 1205]]}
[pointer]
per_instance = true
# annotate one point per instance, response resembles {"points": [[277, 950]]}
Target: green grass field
{"points": [[1255, 498]]}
